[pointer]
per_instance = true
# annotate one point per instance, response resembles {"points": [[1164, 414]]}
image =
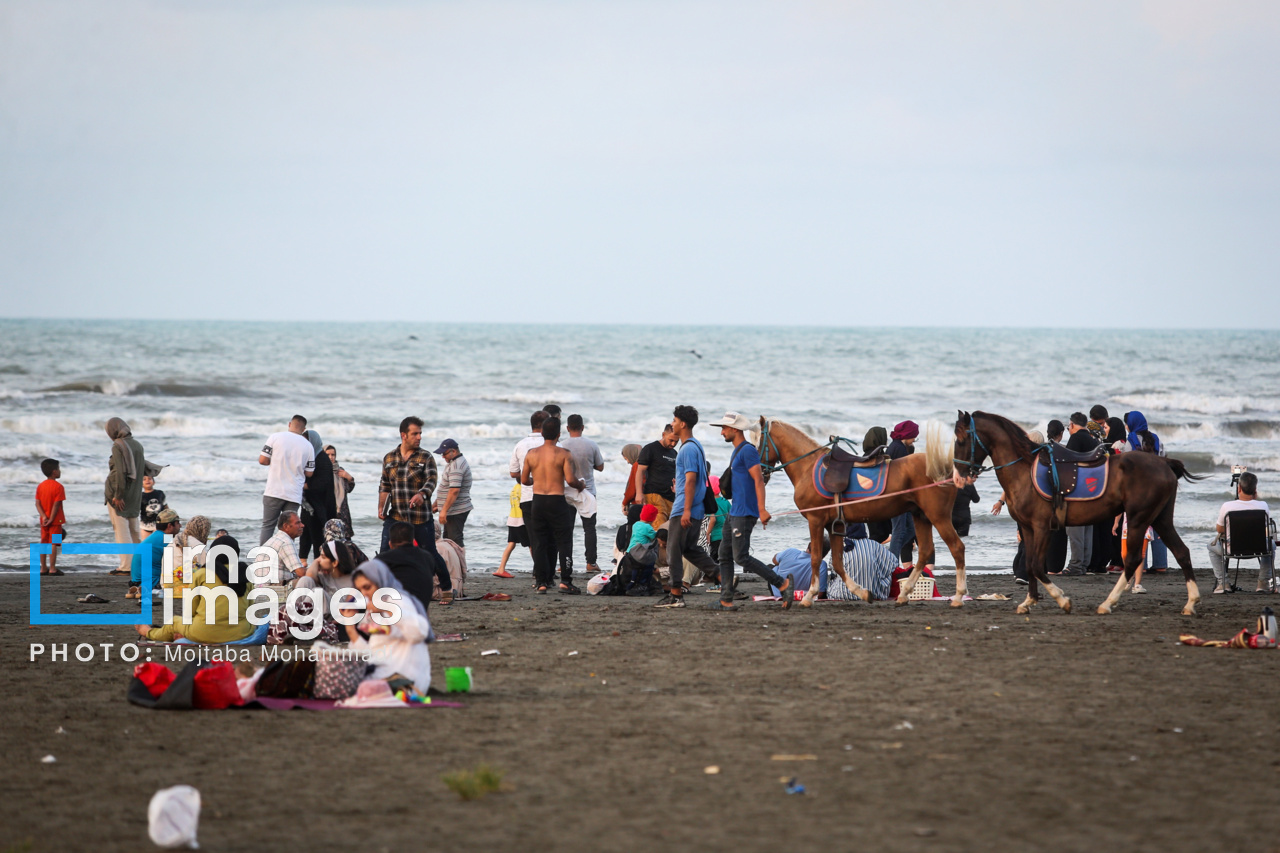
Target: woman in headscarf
{"points": [[902, 445], [1142, 438], [123, 491], [211, 621], [318, 500], [400, 648], [194, 534], [332, 570], [877, 437], [343, 485], [337, 530]]}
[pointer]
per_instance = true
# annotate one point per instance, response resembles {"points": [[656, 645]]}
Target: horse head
{"points": [[970, 451], [762, 447]]}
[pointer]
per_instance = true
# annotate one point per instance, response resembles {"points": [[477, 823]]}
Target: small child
{"points": [[49, 499], [152, 502], [517, 533], [642, 552]]}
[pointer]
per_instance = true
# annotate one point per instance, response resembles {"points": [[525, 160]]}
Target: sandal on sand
{"points": [[503, 573], [542, 590], [495, 596], [54, 572], [118, 572], [569, 589], [133, 592], [93, 599], [785, 593]]}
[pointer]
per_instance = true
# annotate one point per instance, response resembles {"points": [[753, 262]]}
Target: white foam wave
{"points": [[1206, 404], [33, 521], [197, 472], [29, 451], [167, 425], [1269, 463], [559, 397]]}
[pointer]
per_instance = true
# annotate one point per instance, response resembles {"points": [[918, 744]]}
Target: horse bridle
{"points": [[975, 441], [766, 442]]}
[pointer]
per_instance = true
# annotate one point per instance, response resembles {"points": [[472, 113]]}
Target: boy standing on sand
{"points": [[49, 499], [547, 469]]}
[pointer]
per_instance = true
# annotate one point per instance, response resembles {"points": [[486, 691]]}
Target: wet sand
{"points": [[1045, 733]]}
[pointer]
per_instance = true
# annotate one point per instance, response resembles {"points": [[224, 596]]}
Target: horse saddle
{"points": [[842, 473], [1069, 475]]}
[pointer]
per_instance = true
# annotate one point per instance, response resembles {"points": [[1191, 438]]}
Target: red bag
{"points": [[156, 677], [215, 688]]}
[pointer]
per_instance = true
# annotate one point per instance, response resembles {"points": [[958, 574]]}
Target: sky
{"points": [[863, 163]]}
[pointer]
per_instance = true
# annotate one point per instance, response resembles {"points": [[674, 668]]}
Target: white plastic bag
{"points": [[173, 815], [598, 582]]}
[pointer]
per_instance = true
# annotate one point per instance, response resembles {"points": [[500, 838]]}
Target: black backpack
{"points": [[726, 479]]}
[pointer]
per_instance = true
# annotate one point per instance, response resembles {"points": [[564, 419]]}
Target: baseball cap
{"points": [[166, 516], [447, 444]]}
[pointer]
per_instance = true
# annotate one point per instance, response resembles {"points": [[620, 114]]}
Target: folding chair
{"points": [[1250, 535]]}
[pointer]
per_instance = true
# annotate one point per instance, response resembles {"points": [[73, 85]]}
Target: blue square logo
{"points": [[139, 551]]}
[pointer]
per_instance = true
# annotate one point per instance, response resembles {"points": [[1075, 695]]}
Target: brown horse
{"points": [[1142, 485], [909, 488]]}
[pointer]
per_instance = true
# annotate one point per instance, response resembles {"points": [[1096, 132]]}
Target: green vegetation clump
{"points": [[474, 784]]}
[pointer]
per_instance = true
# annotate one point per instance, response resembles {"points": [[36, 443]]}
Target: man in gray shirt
{"points": [[587, 459], [455, 485]]}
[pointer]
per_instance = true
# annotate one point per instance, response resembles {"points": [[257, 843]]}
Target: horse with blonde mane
{"points": [[920, 484]]}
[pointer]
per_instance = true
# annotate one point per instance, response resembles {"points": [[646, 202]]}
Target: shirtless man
{"points": [[548, 468]]}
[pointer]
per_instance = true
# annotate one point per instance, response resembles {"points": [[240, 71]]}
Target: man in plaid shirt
{"points": [[408, 479]]}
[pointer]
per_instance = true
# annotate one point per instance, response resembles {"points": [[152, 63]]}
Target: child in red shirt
{"points": [[49, 499]]}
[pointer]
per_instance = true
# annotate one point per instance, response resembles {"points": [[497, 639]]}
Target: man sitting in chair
{"points": [[1247, 498]]}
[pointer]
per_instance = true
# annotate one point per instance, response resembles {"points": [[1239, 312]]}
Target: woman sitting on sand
{"points": [[332, 570], [399, 649], [211, 614]]}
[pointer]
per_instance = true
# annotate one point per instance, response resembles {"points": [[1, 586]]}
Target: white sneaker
{"points": [[1139, 589]]}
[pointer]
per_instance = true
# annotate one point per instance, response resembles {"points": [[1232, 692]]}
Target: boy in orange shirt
{"points": [[49, 499]]}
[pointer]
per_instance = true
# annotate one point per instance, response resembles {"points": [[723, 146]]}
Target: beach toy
{"points": [[173, 816], [457, 679]]}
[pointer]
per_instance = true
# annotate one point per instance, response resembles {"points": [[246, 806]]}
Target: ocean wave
{"points": [[1251, 429], [13, 522], [160, 426], [122, 388], [1205, 404], [31, 452], [196, 472], [13, 370], [558, 397], [1268, 463]]}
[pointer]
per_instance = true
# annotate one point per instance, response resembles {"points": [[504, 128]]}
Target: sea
{"points": [[202, 396]]}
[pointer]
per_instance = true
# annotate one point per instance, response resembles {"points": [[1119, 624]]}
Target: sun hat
{"points": [[735, 420]]}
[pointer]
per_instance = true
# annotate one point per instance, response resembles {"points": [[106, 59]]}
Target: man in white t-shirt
{"points": [[291, 460], [1247, 498]]}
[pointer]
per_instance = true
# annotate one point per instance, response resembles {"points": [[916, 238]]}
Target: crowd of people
{"points": [[683, 526]]}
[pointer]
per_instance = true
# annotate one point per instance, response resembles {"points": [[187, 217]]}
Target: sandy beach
{"points": [[1048, 732]]}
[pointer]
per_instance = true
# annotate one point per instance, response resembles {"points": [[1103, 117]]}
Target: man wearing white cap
{"points": [[746, 484]]}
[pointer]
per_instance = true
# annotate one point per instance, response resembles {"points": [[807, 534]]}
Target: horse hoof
{"points": [[865, 595], [1023, 609], [1066, 605], [957, 601], [1104, 609], [899, 601], [807, 601], [1189, 610]]}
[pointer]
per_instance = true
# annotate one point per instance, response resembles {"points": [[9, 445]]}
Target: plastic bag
{"points": [[597, 583], [173, 816], [157, 677], [215, 688]]}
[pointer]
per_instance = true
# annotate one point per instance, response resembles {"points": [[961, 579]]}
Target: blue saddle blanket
{"points": [[863, 482], [1090, 482]]}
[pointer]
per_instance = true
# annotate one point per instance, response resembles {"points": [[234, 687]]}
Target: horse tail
{"points": [[1180, 471], [939, 451]]}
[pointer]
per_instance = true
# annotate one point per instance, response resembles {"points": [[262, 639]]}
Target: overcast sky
{"points": [[891, 163]]}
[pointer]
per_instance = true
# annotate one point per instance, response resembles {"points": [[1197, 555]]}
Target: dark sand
{"points": [[1052, 732]]}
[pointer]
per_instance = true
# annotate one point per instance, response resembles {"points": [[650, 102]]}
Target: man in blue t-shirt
{"points": [[167, 524], [686, 512], [746, 482]]}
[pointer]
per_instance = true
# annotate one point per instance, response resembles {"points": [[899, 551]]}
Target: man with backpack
{"points": [[743, 485], [690, 507]]}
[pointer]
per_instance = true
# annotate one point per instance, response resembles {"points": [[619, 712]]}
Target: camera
{"points": [[1236, 471]]}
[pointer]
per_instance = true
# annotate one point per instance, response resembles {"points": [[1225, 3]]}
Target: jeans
{"points": [[735, 547], [1081, 542], [128, 531], [589, 538], [272, 508], [1159, 554], [684, 543], [551, 526], [424, 533], [1217, 558], [904, 534], [453, 525]]}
